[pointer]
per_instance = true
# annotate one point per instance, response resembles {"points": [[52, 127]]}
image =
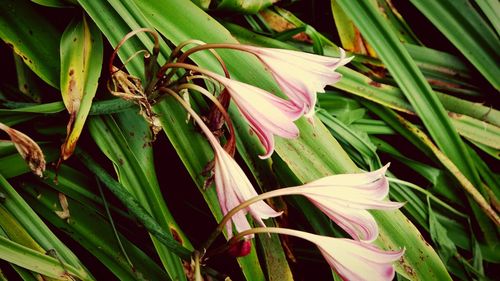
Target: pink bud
{"points": [[240, 248]]}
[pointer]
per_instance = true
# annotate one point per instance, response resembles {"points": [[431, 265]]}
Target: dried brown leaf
{"points": [[29, 149]]}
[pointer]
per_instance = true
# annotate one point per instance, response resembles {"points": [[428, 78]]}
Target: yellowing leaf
{"points": [[81, 61]]}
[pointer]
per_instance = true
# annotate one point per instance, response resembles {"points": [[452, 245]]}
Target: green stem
{"points": [[295, 190], [230, 145]]}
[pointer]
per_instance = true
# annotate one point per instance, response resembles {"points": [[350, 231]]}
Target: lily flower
{"points": [[300, 75], [345, 199], [231, 184], [267, 114], [355, 260], [233, 188], [352, 260]]}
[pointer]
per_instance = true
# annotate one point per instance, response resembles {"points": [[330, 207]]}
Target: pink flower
{"points": [[300, 75], [345, 199], [233, 188], [267, 114], [354, 260]]}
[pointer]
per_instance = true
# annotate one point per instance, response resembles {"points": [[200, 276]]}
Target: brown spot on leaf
{"points": [[71, 72], [280, 24], [375, 84], [176, 235], [64, 214], [454, 115]]}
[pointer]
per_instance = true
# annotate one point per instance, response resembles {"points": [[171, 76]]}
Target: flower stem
{"points": [[231, 142], [257, 230], [270, 194]]}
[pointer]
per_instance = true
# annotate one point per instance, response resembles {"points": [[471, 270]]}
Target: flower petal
{"points": [[300, 75], [267, 114], [345, 199], [359, 224], [233, 188], [354, 260]]}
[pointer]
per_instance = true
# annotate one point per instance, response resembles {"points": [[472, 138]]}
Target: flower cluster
{"points": [[345, 199]]}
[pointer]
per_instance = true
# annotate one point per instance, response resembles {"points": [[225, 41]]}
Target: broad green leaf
{"points": [[26, 80], [12, 164], [30, 221], [491, 9], [446, 247], [94, 233], [24, 112], [493, 152], [32, 37], [81, 62], [126, 140], [55, 3], [39, 262], [15, 232], [245, 6], [459, 21], [10, 228], [397, 22], [477, 131]]}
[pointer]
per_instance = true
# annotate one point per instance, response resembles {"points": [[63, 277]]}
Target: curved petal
{"points": [[355, 179], [267, 114], [233, 188], [372, 191], [359, 224], [355, 260], [300, 75]]}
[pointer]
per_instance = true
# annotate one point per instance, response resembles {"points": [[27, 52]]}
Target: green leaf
{"points": [[246, 6], [36, 228], [446, 247], [490, 8], [125, 139], [95, 234], [38, 262], [459, 21], [32, 37], [55, 3], [477, 131], [419, 93], [12, 164], [81, 62], [26, 82]]}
